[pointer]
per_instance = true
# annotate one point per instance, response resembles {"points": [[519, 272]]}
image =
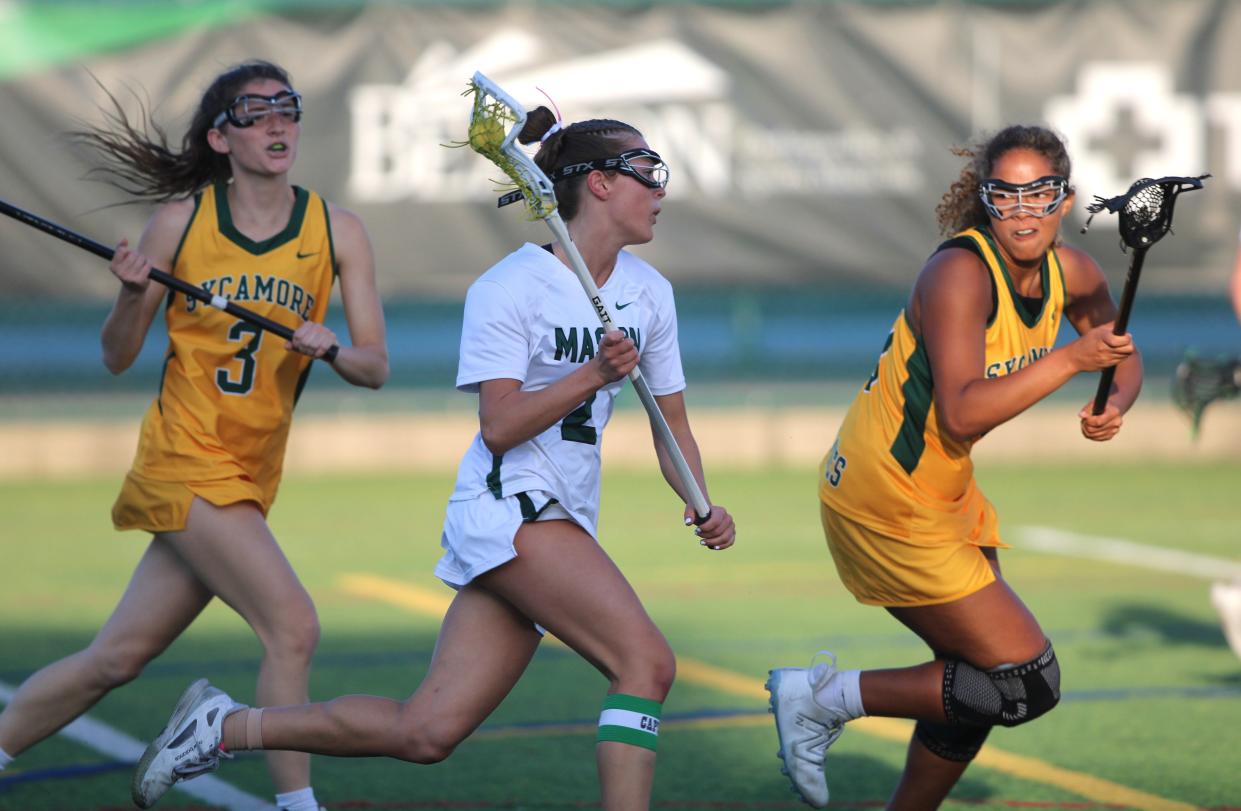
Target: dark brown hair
{"points": [[961, 207], [137, 158], [578, 142]]}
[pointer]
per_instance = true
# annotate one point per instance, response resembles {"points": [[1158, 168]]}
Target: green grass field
{"points": [[1152, 693]]}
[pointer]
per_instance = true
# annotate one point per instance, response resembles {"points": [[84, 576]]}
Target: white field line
{"points": [[113, 743], [1118, 550]]}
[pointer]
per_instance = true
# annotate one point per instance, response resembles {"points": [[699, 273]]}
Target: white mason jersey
{"points": [[528, 319]]}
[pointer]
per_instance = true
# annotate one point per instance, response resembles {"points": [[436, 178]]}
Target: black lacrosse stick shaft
{"points": [[1122, 323], [168, 280], [1145, 216]]}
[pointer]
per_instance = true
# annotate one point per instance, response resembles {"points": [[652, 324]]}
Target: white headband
{"points": [[555, 128]]}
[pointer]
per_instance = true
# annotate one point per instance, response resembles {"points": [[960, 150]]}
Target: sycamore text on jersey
{"points": [[1013, 364], [258, 287]]}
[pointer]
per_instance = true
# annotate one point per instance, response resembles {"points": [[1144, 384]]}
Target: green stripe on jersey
{"points": [[910, 440]]}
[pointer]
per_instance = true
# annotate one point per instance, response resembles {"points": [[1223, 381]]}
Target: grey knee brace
{"points": [[959, 743], [1007, 696]]}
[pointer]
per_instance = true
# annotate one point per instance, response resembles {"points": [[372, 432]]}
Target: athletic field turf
{"points": [[1151, 716]]}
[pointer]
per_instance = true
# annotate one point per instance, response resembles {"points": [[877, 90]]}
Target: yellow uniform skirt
{"points": [[162, 506], [893, 572]]}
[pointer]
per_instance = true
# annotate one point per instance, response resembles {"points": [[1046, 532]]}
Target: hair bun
{"points": [[540, 124]]}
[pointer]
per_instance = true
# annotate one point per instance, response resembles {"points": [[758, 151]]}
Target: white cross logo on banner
{"points": [[1125, 122]]}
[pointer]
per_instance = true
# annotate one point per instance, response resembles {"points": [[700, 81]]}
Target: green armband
{"points": [[631, 720]]}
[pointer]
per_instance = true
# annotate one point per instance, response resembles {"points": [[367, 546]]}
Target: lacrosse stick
{"points": [[168, 280], [1198, 382], [1145, 216], [493, 109]]}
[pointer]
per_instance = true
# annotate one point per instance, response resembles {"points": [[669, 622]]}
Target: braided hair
{"points": [[137, 158], [577, 143], [961, 207]]}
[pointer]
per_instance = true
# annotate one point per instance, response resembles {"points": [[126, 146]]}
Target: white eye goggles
{"points": [[248, 109], [643, 165], [1038, 198]]}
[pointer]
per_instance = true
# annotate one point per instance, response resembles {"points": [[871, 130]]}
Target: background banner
{"points": [[809, 142]]}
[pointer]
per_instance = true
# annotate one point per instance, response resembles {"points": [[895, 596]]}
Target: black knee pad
{"points": [[959, 743], [1006, 696]]}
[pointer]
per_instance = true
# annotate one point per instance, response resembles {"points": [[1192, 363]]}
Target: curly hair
{"points": [[137, 158], [577, 143], [961, 207]]}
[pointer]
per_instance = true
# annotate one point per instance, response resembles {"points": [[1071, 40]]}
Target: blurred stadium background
{"points": [[810, 142]]}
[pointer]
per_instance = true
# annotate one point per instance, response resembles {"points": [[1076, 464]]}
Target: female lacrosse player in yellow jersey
{"points": [[520, 535], [906, 524], [212, 443]]}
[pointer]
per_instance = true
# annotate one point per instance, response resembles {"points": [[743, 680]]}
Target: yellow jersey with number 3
{"points": [[891, 468], [228, 388]]}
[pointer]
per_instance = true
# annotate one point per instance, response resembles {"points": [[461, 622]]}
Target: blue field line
{"points": [[357, 660], [77, 770], [63, 773], [667, 718], [323, 661], [91, 769], [1073, 695]]}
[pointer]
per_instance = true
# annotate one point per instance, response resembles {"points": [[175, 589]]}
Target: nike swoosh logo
{"points": [[301, 255], [620, 306]]}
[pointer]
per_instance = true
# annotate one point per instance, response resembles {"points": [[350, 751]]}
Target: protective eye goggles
{"points": [[248, 109], [643, 165], [1038, 198]]}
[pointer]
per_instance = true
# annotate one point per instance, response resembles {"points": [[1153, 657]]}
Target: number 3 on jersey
{"points": [[252, 336]]}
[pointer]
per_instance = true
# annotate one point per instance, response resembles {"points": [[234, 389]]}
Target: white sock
{"points": [[301, 800], [843, 693], [5, 759]]}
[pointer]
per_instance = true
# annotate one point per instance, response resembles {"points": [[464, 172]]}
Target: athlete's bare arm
{"points": [[1090, 309], [125, 328], [950, 305], [717, 531], [509, 416], [365, 361]]}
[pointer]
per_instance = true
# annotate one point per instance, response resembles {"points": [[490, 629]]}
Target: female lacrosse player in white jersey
{"points": [[519, 537], [212, 443], [906, 524]]}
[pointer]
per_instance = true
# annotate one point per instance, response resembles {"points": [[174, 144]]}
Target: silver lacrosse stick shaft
{"points": [[697, 499]]}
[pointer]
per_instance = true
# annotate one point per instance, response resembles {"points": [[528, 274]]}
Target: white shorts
{"points": [[479, 532]]}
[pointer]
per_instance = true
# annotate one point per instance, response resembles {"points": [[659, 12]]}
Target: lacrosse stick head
{"points": [[1198, 382], [1146, 209], [495, 122]]}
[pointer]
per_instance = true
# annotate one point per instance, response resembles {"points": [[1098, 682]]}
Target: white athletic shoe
{"points": [[1226, 597], [188, 747], [805, 728]]}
